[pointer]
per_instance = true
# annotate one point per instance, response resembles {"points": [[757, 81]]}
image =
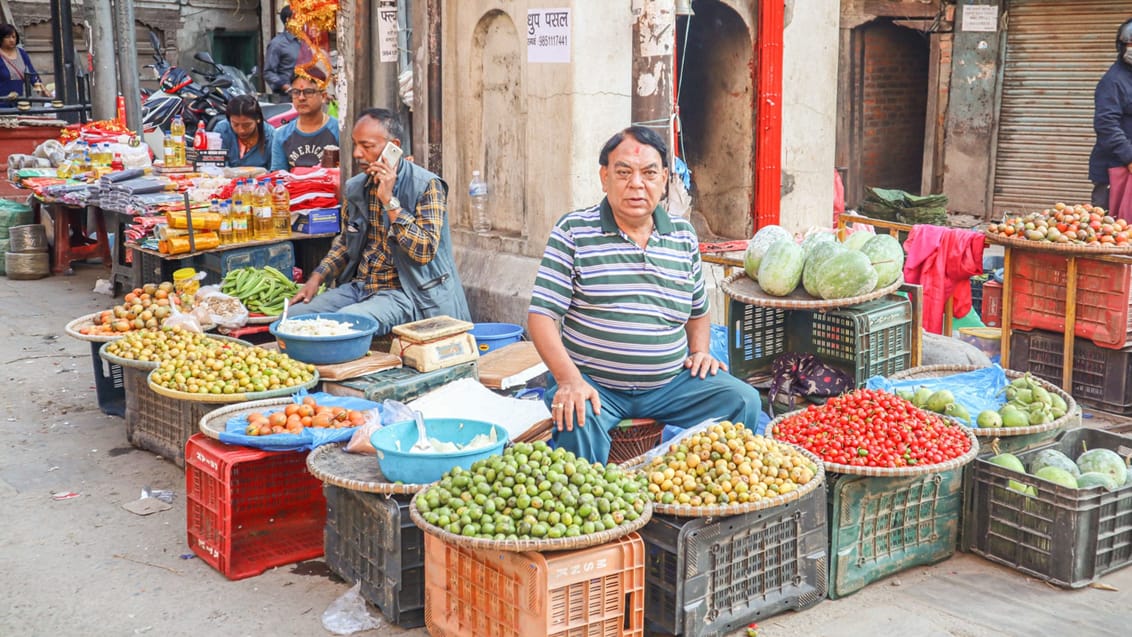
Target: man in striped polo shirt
{"points": [[625, 281]]}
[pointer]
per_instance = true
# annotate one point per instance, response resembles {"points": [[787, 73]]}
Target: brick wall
{"points": [[895, 95]]}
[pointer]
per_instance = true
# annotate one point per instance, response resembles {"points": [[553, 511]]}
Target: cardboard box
{"points": [[318, 221]]}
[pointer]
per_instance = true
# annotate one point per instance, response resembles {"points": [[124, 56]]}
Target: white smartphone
{"points": [[391, 154]]}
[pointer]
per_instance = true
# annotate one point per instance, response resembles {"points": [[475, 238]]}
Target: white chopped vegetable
{"points": [[479, 442], [315, 327]]}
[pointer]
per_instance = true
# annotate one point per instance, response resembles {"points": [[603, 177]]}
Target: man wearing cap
{"points": [[1112, 121], [279, 61]]}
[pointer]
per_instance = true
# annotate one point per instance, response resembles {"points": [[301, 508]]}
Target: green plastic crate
{"points": [[865, 340], [881, 526]]}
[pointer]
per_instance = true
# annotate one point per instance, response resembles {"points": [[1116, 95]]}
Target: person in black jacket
{"points": [[279, 61], [1112, 119]]}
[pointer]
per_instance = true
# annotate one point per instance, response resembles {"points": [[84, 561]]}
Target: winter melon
{"points": [[818, 254], [857, 240], [817, 237], [759, 244], [1097, 479], [1104, 461], [845, 275], [1057, 475], [781, 268], [887, 257], [1053, 458]]}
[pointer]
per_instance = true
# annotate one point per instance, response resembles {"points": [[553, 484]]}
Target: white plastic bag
{"points": [[186, 320], [223, 310], [348, 614]]}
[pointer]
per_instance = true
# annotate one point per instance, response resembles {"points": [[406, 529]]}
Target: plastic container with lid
{"points": [[185, 281]]}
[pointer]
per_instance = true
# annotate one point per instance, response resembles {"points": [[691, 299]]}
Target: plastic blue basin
{"points": [[399, 465], [328, 350], [491, 336]]}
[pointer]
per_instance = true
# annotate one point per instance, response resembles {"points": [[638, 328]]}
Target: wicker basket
{"points": [[539, 546], [633, 437], [891, 472]]}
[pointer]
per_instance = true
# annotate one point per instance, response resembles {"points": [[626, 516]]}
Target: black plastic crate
{"points": [[712, 576], [109, 384], [371, 539], [218, 264], [865, 340], [158, 423], [881, 526], [977, 292], [1068, 537], [1101, 376]]}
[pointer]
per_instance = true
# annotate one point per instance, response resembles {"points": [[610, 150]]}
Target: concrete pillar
{"points": [[128, 62], [104, 90], [654, 38]]}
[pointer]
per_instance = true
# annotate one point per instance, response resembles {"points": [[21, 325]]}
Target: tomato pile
{"points": [[873, 428], [1080, 224]]}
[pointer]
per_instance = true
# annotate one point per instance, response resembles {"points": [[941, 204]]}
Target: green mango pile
{"points": [[940, 401], [1027, 404]]}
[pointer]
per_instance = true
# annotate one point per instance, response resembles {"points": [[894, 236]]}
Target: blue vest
{"points": [[434, 287]]}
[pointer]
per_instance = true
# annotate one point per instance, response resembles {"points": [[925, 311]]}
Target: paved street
{"points": [[86, 566]]}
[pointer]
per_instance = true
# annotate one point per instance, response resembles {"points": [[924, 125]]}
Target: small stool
{"points": [[632, 437], [71, 242]]}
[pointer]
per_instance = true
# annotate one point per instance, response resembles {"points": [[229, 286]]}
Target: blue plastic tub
{"points": [[491, 336], [328, 350], [394, 441]]}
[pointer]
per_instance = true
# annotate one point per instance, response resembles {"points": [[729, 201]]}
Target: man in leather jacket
{"points": [[1112, 119]]}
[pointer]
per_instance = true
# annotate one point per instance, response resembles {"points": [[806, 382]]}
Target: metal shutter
{"points": [[1056, 51]]}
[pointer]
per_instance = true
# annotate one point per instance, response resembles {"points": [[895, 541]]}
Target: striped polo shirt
{"points": [[623, 309]]}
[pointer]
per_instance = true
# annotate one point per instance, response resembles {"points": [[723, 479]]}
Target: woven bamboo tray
{"points": [[1077, 249], [1072, 411], [893, 472], [72, 329], [539, 546], [215, 422], [741, 287], [355, 471], [228, 398], [136, 364], [724, 510]]}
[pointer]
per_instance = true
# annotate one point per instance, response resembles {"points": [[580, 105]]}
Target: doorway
{"points": [[890, 79], [715, 67]]}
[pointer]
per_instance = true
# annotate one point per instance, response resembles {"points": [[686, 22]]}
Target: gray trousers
{"points": [[1100, 195], [388, 307]]}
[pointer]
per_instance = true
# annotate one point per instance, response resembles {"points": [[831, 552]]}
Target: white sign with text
{"points": [[548, 36]]}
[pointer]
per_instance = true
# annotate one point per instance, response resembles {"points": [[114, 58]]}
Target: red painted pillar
{"points": [[768, 123]]}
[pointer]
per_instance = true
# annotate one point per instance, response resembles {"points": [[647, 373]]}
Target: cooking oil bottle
{"points": [[177, 131], [241, 209], [169, 154], [221, 208], [261, 201], [281, 209]]}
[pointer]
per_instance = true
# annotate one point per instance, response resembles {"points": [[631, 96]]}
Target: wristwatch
{"points": [[394, 204]]}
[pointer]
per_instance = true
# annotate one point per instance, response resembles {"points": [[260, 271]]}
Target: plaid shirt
{"points": [[417, 233]]}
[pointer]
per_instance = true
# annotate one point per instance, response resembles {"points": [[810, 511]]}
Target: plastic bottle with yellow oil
{"points": [[281, 209], [177, 131], [261, 205], [241, 209], [169, 152], [225, 231]]}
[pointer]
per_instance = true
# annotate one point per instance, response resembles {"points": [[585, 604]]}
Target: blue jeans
{"points": [[388, 307], [684, 402]]}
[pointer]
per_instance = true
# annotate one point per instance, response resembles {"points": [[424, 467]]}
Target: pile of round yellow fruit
{"points": [[164, 344], [726, 464], [231, 370]]}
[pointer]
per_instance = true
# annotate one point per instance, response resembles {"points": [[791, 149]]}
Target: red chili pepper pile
{"points": [[873, 428]]}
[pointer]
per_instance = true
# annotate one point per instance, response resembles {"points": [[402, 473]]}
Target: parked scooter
{"points": [[180, 94]]}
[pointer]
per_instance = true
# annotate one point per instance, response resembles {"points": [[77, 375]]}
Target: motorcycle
{"points": [[274, 114], [180, 94]]}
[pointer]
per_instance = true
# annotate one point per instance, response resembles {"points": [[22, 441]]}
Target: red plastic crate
{"points": [[250, 510], [1037, 297], [596, 591], [991, 310]]}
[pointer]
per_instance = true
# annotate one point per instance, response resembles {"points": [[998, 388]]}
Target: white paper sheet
{"points": [[467, 398]]}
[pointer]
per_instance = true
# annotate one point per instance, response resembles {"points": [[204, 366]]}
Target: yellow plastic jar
{"points": [[184, 281]]}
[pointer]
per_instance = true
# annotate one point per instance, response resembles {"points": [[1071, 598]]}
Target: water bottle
{"points": [[477, 193]]}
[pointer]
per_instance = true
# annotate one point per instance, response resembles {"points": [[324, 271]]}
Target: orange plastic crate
{"points": [[1037, 297], [249, 510], [592, 592]]}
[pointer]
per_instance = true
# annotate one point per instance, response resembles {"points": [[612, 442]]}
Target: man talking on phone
{"points": [[393, 259]]}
